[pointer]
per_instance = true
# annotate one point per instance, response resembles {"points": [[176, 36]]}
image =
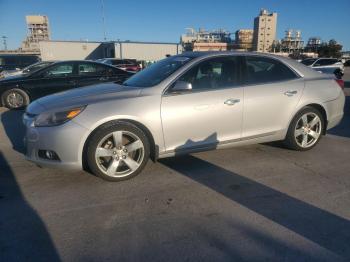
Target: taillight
{"points": [[340, 82]]}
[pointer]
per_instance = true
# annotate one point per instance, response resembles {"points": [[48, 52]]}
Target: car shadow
{"points": [[14, 128], [315, 224], [23, 235]]}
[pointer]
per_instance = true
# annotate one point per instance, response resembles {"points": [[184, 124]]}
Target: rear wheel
{"points": [[118, 151], [15, 99], [305, 130]]}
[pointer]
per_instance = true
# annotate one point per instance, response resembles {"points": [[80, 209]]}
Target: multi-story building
{"points": [[38, 30], [264, 31], [203, 40], [244, 39]]}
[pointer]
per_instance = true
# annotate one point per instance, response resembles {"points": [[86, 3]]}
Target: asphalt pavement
{"points": [[253, 203]]}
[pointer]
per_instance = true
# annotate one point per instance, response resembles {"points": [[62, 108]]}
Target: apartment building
{"points": [[264, 31]]}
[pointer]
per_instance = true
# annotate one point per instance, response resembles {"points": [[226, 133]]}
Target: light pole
{"points": [[103, 20], [4, 42]]}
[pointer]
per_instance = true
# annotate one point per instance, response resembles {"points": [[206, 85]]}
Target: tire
{"points": [[311, 128], [15, 99], [117, 151]]}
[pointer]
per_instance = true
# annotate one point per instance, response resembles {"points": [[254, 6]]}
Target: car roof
{"points": [[301, 69]]}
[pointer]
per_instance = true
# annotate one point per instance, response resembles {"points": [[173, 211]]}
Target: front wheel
{"points": [[15, 99], [118, 151], [305, 130]]}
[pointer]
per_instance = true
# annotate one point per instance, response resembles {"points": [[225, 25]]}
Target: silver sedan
{"points": [[186, 103]]}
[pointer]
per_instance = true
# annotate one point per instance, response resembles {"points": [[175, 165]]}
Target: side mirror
{"points": [[181, 86]]}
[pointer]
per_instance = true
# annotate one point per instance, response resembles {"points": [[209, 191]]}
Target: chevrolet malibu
{"points": [[182, 104]]}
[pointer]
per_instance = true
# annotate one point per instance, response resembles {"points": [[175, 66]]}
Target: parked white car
{"points": [[325, 65]]}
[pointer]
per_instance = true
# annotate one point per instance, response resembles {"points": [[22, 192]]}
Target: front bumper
{"points": [[66, 141]]}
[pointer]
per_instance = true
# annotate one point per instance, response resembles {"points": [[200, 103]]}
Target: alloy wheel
{"points": [[308, 130], [119, 154], [15, 100]]}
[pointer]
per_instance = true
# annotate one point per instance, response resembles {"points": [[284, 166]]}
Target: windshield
{"points": [[157, 72], [308, 62], [35, 67]]}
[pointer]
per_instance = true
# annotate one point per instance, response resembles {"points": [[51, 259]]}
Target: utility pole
{"points": [[4, 42], [103, 20]]}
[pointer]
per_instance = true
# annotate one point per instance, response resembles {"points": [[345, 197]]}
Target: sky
{"points": [[165, 21]]}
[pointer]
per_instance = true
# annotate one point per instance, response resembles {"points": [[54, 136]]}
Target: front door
{"points": [[208, 114], [57, 78]]}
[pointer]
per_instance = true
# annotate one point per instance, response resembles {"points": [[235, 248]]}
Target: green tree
{"points": [[330, 49]]}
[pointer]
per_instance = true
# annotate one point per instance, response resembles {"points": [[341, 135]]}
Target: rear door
{"points": [[271, 92]]}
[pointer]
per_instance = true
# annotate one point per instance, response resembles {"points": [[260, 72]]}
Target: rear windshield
{"points": [[308, 62]]}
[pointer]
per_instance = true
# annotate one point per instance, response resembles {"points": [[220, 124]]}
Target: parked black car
{"points": [[19, 91], [16, 61]]}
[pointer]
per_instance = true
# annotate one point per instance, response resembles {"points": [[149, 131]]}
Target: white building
{"points": [[76, 50]]}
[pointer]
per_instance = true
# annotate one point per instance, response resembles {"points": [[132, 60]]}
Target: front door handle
{"points": [[103, 78], [290, 92], [231, 101]]}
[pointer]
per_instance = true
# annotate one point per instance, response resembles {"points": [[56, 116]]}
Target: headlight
{"points": [[57, 118]]}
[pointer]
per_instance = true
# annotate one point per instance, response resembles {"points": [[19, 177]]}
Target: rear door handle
{"points": [[290, 92], [231, 101]]}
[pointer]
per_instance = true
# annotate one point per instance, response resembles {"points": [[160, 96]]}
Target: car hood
{"points": [[11, 78], [82, 96]]}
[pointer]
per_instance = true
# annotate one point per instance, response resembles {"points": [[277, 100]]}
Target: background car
{"points": [[187, 103], [325, 65], [16, 61], [19, 91], [125, 64], [29, 69]]}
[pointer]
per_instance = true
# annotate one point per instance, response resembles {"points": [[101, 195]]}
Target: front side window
{"points": [[157, 72], [60, 70], [213, 74], [35, 67], [264, 70]]}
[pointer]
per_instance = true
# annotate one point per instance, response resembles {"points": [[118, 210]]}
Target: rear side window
{"points": [[263, 70], [87, 69]]}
